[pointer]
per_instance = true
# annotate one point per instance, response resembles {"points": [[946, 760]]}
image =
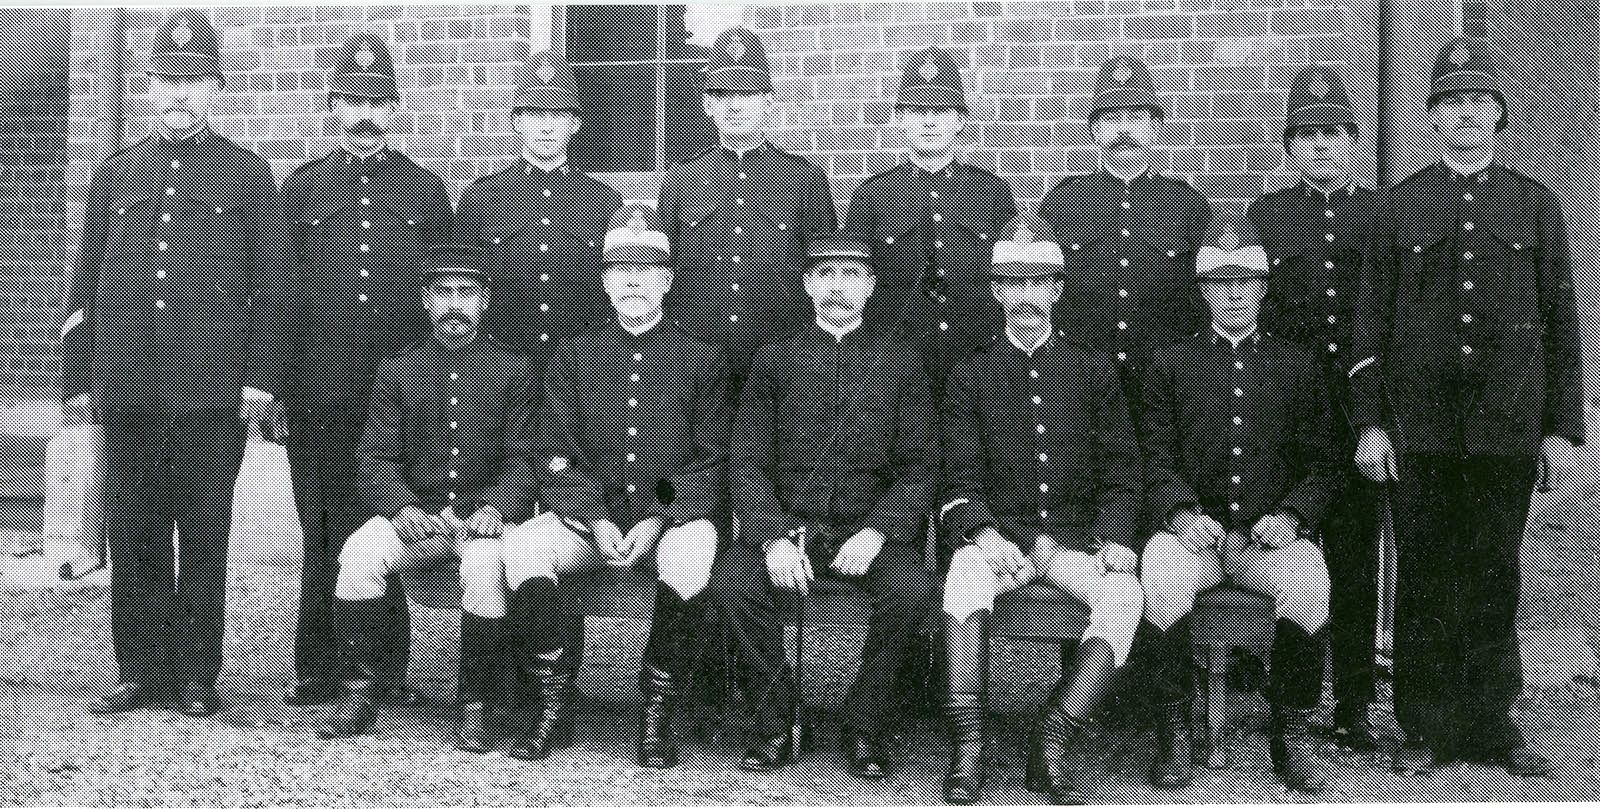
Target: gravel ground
{"points": [[55, 655]]}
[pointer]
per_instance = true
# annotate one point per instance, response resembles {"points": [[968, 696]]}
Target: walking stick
{"points": [[799, 734]]}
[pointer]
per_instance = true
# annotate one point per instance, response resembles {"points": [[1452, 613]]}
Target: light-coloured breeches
{"points": [[1295, 576], [375, 550], [1115, 600], [546, 547]]}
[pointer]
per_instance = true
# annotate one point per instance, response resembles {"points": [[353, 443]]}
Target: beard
{"points": [[179, 118]]}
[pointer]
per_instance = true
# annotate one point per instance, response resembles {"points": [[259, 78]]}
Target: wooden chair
{"points": [[1225, 618]]}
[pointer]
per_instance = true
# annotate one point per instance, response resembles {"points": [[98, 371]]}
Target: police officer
{"points": [[1315, 232], [540, 223], [1042, 483], [181, 231], [1239, 469], [1466, 384], [833, 462], [445, 469], [1129, 234], [932, 222], [364, 218], [739, 214], [635, 465]]}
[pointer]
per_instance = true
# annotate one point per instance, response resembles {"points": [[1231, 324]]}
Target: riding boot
{"points": [[543, 673], [480, 644], [357, 623], [1035, 778], [661, 678], [1296, 689], [1064, 736], [1173, 767], [966, 703]]}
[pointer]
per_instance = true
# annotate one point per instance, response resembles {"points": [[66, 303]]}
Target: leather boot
{"points": [[1294, 751], [1296, 689], [1064, 735], [357, 623], [966, 703], [661, 679], [480, 644], [543, 674], [1173, 766], [1036, 779]]}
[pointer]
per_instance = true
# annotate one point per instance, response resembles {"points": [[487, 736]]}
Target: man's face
{"points": [[1321, 153], [737, 115], [839, 289], [637, 290], [1466, 120], [455, 304], [364, 121], [1235, 305], [183, 102], [1125, 131], [545, 134], [931, 132], [1027, 302]]}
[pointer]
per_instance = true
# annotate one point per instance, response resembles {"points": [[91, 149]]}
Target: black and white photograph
{"points": [[915, 402]]}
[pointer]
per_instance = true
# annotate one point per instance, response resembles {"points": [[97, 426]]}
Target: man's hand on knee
{"points": [[1195, 530], [858, 552], [787, 566], [415, 525], [1276, 530], [1115, 558], [1003, 555], [485, 522]]}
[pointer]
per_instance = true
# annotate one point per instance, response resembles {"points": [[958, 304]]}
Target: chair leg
{"points": [[1216, 705]]}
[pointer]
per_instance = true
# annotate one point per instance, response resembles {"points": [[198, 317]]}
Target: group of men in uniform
{"points": [[1110, 397]]}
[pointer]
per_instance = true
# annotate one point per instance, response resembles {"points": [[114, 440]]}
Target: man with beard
{"points": [[932, 222], [1042, 483], [364, 218], [182, 230], [444, 467], [832, 464], [1315, 232], [1129, 234], [1466, 385], [635, 430]]}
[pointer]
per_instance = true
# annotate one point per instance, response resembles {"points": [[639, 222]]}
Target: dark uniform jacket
{"points": [[1316, 242], [1130, 251], [932, 236], [541, 234], [635, 426], [1466, 336], [739, 227], [1239, 433], [166, 314], [836, 432], [362, 229], [450, 427], [1040, 444]]}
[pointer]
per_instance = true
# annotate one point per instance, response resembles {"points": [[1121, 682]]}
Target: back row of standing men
{"points": [[1457, 379]]}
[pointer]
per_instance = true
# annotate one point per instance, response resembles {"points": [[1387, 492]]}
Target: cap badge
{"points": [[1023, 235], [181, 35], [735, 48], [557, 464], [1122, 72], [929, 70], [637, 222], [1459, 55], [365, 57], [1319, 86], [547, 72], [1228, 240]]}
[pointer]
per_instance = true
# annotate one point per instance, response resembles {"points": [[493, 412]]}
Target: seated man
{"points": [[832, 468], [1042, 483], [1238, 442], [444, 468], [635, 430]]}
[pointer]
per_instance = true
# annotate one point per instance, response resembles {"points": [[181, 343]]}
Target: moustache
{"points": [[454, 316], [1125, 141], [835, 300], [1027, 308], [365, 128]]}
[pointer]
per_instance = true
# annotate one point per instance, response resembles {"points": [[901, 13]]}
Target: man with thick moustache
{"points": [[1466, 384], [739, 214], [833, 462], [1239, 470], [932, 222], [634, 461], [364, 219], [1129, 234], [445, 469], [1042, 482], [1315, 233], [168, 345]]}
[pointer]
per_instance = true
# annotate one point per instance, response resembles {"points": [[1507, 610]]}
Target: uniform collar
{"points": [[353, 159], [196, 137], [478, 339], [1012, 338], [948, 170], [835, 332], [1218, 335], [1311, 189], [1106, 170], [763, 146], [640, 332], [528, 168], [1464, 173]]}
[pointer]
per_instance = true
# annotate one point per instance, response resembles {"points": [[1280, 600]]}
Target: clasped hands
{"points": [[413, 524]]}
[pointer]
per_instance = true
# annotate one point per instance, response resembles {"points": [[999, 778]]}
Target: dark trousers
{"points": [[1350, 545], [167, 611], [1458, 532], [902, 593], [327, 497]]}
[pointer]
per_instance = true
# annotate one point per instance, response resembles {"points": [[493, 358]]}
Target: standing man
{"points": [[1129, 234], [1467, 386], [1239, 464], [364, 219], [444, 467], [932, 222], [833, 463], [182, 232], [1042, 483], [739, 215], [1315, 233], [635, 426]]}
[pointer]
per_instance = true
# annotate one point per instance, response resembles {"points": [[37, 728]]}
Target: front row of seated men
{"points": [[832, 464]]}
